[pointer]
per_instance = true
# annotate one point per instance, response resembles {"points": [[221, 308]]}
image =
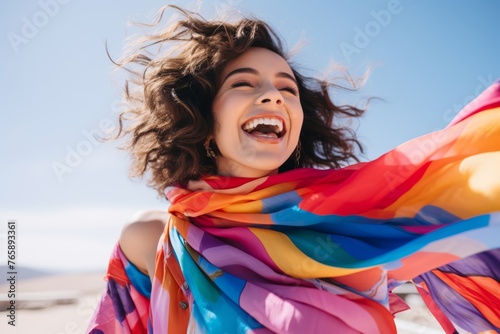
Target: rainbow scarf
{"points": [[310, 250]]}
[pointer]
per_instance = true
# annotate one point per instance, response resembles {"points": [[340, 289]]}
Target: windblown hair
{"points": [[168, 97]]}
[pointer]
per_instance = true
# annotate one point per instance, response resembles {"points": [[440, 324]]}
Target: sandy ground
{"points": [[63, 304], [57, 304]]}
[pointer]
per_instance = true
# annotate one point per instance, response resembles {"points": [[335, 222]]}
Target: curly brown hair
{"points": [[168, 115]]}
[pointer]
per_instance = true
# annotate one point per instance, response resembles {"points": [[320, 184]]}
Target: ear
{"points": [[208, 140]]}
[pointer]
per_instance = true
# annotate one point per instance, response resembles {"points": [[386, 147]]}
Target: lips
{"points": [[265, 127]]}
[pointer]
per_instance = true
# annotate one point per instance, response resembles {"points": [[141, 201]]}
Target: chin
{"points": [[267, 166]]}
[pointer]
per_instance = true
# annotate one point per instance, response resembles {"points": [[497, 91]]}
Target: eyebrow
{"points": [[254, 71]]}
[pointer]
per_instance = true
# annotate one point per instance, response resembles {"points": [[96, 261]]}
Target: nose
{"points": [[270, 95]]}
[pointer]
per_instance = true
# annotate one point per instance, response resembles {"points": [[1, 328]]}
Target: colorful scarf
{"points": [[309, 251]]}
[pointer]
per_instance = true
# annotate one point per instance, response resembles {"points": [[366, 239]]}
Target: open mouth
{"points": [[265, 127]]}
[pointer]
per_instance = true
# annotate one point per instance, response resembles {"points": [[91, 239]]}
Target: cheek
{"points": [[300, 117], [222, 109], [228, 109], [297, 117], [225, 123], [218, 114]]}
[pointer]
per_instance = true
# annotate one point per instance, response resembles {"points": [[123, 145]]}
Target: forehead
{"points": [[261, 59]]}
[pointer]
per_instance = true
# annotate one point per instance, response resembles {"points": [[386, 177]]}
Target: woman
{"points": [[253, 241]]}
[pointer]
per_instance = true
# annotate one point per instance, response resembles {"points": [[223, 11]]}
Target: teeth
{"points": [[250, 125]]}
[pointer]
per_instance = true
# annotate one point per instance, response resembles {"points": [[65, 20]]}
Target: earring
{"points": [[297, 154], [210, 152]]}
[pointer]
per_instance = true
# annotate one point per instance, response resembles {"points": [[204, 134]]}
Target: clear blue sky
{"points": [[56, 87]]}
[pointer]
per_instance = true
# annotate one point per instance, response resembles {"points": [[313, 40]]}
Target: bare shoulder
{"points": [[140, 236]]}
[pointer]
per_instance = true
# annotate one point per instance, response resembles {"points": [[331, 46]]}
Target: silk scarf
{"points": [[312, 250]]}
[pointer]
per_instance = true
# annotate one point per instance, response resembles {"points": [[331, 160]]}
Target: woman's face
{"points": [[258, 115]]}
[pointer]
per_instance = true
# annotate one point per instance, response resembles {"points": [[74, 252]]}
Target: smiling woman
{"points": [[257, 113], [255, 242], [212, 73]]}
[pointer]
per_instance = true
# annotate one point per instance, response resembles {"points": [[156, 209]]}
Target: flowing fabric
{"points": [[309, 251], [124, 307]]}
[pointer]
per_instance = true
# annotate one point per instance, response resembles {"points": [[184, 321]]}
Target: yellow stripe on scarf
{"points": [[292, 261]]}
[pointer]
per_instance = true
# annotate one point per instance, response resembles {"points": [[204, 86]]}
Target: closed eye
{"points": [[241, 84], [291, 90]]}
